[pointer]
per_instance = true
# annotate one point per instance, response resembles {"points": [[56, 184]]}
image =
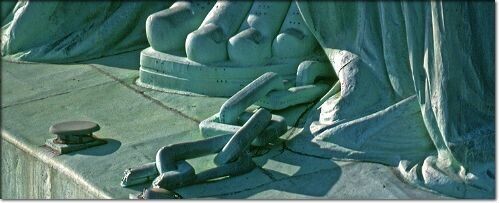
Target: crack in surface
{"points": [[54, 95], [36, 99], [142, 93], [304, 114], [268, 174], [178, 92], [301, 153], [114, 79], [265, 184], [282, 180]]}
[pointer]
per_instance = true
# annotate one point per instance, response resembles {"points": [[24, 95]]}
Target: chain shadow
{"points": [[281, 171], [307, 181], [127, 60]]}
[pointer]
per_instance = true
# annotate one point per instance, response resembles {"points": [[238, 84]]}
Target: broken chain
{"points": [[226, 138], [171, 171], [268, 91]]}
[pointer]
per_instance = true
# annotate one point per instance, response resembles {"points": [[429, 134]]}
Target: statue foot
{"points": [[362, 93], [245, 32], [167, 30], [253, 44], [451, 178]]}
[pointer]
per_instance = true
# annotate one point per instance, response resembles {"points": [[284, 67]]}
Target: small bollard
{"points": [[73, 136], [74, 132]]}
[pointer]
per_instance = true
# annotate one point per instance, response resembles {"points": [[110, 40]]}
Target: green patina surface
{"points": [[136, 122]]}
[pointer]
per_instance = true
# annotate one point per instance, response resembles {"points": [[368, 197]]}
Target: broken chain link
{"points": [[171, 171], [306, 88], [268, 91], [226, 138]]}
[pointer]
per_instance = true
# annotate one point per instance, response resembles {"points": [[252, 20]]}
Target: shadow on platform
{"points": [[111, 146], [128, 60]]}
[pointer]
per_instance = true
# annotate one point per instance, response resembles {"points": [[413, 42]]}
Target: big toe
{"points": [[207, 44], [249, 47]]}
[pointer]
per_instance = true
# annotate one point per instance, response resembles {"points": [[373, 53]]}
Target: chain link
{"points": [[229, 140], [306, 88], [243, 137], [268, 91], [251, 93], [276, 127], [171, 171]]}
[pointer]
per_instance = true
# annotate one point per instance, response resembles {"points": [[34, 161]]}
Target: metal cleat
{"points": [[73, 136]]}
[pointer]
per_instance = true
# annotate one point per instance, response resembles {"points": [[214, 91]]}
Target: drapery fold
{"points": [[62, 32], [440, 51], [417, 78]]}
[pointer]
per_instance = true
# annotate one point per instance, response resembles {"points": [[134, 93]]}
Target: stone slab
{"points": [[336, 180], [198, 107], [136, 122], [24, 82]]}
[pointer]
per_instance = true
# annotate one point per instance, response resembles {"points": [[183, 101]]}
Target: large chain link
{"points": [[229, 140], [268, 91], [172, 171], [307, 87]]}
